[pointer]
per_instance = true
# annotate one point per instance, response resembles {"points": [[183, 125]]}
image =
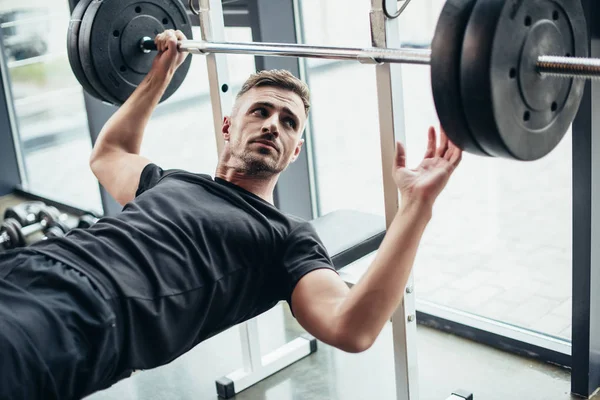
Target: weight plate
{"points": [[24, 213], [73, 47], [13, 230], [111, 32], [446, 49], [513, 111], [85, 50]]}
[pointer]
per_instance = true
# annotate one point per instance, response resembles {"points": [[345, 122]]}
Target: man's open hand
{"points": [[425, 182]]}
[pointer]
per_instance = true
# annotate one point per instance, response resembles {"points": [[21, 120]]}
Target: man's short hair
{"points": [[278, 78]]}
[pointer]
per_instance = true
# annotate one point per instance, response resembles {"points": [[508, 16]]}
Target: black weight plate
{"points": [[73, 47], [86, 49], [13, 230], [446, 49], [513, 111], [115, 30]]}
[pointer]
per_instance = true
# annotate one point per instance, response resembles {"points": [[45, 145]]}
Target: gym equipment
{"points": [[87, 221], [445, 74], [514, 111], [13, 235], [25, 213], [498, 69], [73, 49], [104, 44], [10, 234], [51, 224]]}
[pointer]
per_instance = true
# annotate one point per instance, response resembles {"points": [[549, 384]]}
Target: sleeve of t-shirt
{"points": [[304, 253], [151, 175]]}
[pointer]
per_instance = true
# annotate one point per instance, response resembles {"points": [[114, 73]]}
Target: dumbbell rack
{"points": [[62, 218], [391, 122]]}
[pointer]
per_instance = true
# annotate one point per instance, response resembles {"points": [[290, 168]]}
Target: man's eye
{"points": [[260, 112], [291, 123]]}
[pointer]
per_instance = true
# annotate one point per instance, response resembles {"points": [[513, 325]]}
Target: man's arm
{"points": [[351, 319], [115, 159]]}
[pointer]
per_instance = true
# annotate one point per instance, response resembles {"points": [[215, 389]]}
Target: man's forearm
{"points": [[372, 301], [125, 129]]}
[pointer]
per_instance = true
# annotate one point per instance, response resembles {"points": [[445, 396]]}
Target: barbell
{"points": [[507, 76]]}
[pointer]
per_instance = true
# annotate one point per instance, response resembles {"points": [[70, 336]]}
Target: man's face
{"points": [[265, 130]]}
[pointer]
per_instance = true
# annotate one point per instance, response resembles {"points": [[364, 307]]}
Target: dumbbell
{"points": [[13, 235], [87, 221], [25, 213], [53, 222], [50, 225], [10, 234]]}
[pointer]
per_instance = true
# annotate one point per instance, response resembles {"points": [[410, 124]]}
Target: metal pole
{"points": [[384, 33], [212, 27], [568, 67], [366, 56]]}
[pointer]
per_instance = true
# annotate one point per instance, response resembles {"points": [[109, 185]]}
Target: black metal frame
{"points": [[501, 342], [585, 378], [10, 176]]}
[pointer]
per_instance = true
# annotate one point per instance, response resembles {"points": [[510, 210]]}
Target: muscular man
{"points": [[190, 256]]}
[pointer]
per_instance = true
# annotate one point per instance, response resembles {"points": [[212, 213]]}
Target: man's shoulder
{"points": [[300, 228], [188, 176]]}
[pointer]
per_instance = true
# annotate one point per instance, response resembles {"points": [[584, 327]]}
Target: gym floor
{"points": [[446, 363]]}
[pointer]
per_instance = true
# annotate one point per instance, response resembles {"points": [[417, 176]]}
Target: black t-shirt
{"points": [[188, 258]]}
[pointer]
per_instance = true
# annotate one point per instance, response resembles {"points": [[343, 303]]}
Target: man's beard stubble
{"points": [[252, 164]]}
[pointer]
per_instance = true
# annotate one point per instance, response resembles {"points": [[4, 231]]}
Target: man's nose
{"points": [[271, 125]]}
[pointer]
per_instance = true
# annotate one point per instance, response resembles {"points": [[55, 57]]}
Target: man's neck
{"points": [[261, 186]]}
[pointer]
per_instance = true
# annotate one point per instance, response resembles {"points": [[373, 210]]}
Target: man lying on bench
{"points": [[190, 256]]}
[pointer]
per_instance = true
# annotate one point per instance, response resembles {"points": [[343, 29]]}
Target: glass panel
{"points": [[499, 244], [344, 115], [49, 107]]}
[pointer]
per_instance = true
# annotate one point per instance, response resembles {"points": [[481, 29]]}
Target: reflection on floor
{"points": [[445, 364]]}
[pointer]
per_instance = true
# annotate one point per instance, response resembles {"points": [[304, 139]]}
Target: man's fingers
{"points": [[400, 156], [451, 150], [430, 152], [171, 41], [455, 157], [168, 40], [441, 151], [179, 35]]}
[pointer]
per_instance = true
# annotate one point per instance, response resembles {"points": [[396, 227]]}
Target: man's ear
{"points": [[225, 128], [297, 150]]}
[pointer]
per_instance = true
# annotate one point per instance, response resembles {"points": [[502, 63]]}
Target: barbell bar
{"points": [[558, 66], [507, 78]]}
